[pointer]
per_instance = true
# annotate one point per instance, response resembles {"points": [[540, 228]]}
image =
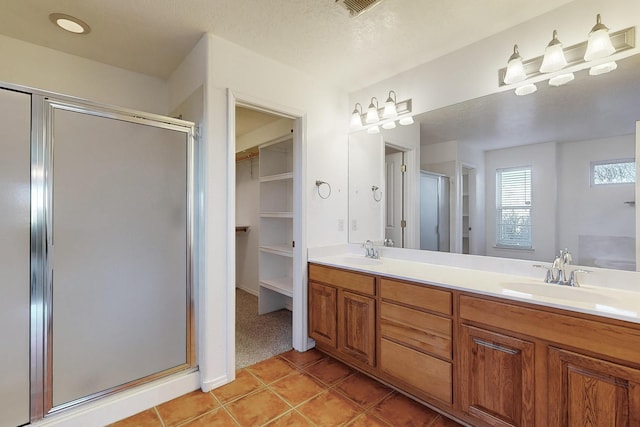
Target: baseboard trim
{"points": [[251, 291]]}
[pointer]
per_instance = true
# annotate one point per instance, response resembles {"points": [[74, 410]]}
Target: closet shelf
{"points": [[282, 285], [278, 250], [276, 214], [277, 177]]}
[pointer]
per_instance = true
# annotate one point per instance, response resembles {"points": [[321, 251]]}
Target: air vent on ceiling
{"points": [[357, 7]]}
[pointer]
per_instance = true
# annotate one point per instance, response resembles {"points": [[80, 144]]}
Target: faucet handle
{"points": [[566, 256], [573, 277], [549, 277]]}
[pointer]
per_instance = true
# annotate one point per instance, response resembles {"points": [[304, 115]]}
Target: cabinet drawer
{"points": [[352, 281], [421, 371], [416, 296], [422, 331]]}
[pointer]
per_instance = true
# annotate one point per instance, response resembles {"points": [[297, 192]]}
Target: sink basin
{"points": [[361, 260], [567, 293]]}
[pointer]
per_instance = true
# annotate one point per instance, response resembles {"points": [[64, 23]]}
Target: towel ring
{"points": [[373, 190], [320, 183]]}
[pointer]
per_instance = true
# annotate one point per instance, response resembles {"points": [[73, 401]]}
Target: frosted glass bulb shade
{"points": [[372, 114], [356, 120], [526, 89], [406, 121], [554, 59], [373, 130], [515, 69], [607, 67], [390, 110], [599, 43], [389, 125], [561, 79]]}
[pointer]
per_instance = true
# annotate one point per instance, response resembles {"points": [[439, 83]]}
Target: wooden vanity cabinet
{"points": [[342, 311], [585, 391], [496, 377], [416, 339], [485, 360]]}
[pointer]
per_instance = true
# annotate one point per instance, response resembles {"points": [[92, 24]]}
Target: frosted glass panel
{"points": [[120, 253], [15, 119]]}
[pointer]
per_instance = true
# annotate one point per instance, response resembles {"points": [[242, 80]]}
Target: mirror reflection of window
{"points": [[613, 172], [513, 198]]}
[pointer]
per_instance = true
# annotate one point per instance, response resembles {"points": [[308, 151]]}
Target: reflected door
{"points": [[119, 271], [15, 128], [394, 198]]}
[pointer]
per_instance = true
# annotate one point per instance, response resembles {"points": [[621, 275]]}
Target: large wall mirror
{"points": [[557, 149]]}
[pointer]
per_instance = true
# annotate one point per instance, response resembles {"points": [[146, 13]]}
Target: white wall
{"points": [[596, 211], [247, 213], [472, 72], [47, 69], [542, 159]]}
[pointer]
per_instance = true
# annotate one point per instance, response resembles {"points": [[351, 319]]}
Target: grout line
{"points": [[155, 409]]}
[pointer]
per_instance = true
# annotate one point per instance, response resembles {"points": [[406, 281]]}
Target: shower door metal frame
{"points": [[42, 244]]}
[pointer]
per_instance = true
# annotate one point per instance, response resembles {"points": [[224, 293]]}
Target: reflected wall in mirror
{"points": [[560, 133]]}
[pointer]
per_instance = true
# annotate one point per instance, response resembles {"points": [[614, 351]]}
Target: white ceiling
{"points": [[316, 36]]}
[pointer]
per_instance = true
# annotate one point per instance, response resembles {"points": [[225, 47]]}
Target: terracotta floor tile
{"points": [[271, 369], [329, 409], [368, 420], [291, 419], [301, 359], [258, 408], [363, 390], [329, 371], [402, 411], [186, 407], [148, 418], [297, 387], [218, 418], [245, 383]]}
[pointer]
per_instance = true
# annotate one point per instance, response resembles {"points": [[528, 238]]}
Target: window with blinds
{"points": [[513, 208]]}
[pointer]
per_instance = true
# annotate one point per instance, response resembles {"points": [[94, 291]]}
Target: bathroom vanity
{"points": [[488, 348]]}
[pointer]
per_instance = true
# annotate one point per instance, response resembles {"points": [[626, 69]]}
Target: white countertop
{"points": [[622, 304]]}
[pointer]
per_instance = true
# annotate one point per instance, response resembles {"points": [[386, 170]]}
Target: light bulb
{"points": [[554, 59], [372, 112], [515, 69]]}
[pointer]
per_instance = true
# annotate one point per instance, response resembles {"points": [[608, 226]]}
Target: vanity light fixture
{"points": [[356, 117], [599, 43], [390, 110], [554, 58], [389, 125], [593, 53], [408, 120], [561, 79], [515, 70], [386, 116], [372, 111], [70, 23]]}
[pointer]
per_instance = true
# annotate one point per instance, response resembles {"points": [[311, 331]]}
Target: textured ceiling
{"points": [[315, 36]]}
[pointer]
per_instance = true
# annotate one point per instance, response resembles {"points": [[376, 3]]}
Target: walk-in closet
{"points": [[264, 234]]}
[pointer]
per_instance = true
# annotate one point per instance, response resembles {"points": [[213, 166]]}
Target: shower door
{"points": [[118, 278], [15, 130]]}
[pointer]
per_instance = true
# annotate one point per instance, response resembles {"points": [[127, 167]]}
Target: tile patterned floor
{"points": [[292, 389]]}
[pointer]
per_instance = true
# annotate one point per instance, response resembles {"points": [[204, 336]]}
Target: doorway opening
{"points": [[265, 146]]}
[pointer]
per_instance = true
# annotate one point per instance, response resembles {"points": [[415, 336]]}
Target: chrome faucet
{"points": [[557, 273], [370, 250]]}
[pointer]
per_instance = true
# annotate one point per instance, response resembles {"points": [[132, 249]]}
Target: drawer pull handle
{"points": [[495, 346]]}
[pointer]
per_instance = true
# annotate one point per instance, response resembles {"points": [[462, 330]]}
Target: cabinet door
{"points": [[584, 391], [356, 317], [323, 306], [497, 380]]}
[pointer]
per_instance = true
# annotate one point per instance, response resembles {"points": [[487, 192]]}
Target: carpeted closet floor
{"points": [[259, 337]]}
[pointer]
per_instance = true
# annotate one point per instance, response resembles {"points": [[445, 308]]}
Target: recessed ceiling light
{"points": [[70, 23]]}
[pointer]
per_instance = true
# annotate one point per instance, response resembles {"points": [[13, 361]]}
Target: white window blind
{"points": [[513, 206]]}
